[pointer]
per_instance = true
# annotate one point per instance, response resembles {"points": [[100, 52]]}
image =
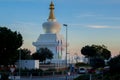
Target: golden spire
{"points": [[51, 15]]}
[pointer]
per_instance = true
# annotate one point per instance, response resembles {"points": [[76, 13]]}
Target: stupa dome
{"points": [[51, 27]]}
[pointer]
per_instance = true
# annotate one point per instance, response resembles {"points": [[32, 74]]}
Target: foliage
{"points": [[4, 76], [114, 72], [111, 77], [29, 70], [10, 41], [88, 51], [36, 56], [96, 55], [25, 54], [114, 64], [42, 54], [96, 50], [102, 51], [39, 56], [87, 77], [98, 77], [82, 77], [81, 64], [26, 72], [51, 69], [97, 62]]}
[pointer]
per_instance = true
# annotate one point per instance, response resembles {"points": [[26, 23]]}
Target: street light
{"points": [[20, 61], [66, 44]]}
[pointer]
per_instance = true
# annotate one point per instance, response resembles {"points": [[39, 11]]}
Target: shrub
{"points": [[82, 77]]}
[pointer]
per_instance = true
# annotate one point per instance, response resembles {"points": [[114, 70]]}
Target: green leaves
{"points": [[96, 54], [10, 41], [96, 51], [42, 54]]}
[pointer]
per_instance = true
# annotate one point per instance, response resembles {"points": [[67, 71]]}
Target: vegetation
{"points": [[114, 71], [42, 54], [28, 72], [96, 55], [97, 62], [51, 69], [10, 41], [83, 77], [39, 72], [95, 51], [93, 77], [81, 64], [114, 64], [88, 51], [25, 54]]}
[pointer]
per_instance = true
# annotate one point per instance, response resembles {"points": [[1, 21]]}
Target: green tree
{"points": [[48, 53], [88, 51], [96, 54], [81, 64], [36, 56], [42, 54], [114, 64], [114, 71], [102, 51], [25, 54], [10, 41], [39, 56], [97, 62]]}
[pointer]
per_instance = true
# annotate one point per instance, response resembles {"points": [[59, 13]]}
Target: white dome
{"points": [[51, 27]]}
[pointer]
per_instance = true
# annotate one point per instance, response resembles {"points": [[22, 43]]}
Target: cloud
{"points": [[91, 26], [103, 27], [76, 24], [98, 26], [98, 16], [95, 26]]}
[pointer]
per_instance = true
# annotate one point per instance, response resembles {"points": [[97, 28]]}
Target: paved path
{"points": [[63, 77]]}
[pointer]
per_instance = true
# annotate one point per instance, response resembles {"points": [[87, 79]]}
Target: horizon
{"points": [[89, 22]]}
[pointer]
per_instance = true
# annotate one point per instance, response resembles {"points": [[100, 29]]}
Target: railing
{"points": [[47, 75], [44, 73]]}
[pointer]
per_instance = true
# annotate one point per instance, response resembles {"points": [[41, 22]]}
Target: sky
{"points": [[89, 21]]}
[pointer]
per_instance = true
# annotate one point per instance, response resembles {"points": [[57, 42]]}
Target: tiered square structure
{"points": [[51, 39]]}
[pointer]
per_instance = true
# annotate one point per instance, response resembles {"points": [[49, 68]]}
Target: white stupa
{"points": [[51, 39]]}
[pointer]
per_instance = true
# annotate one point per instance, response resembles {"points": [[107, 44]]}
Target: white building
{"points": [[51, 39], [28, 64]]}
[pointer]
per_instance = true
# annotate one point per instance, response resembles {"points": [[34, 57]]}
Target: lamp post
{"points": [[20, 61], [66, 46]]}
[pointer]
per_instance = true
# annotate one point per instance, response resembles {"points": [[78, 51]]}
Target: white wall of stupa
{"points": [[51, 39]]}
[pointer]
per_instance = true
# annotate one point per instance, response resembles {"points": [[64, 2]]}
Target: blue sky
{"points": [[89, 21]]}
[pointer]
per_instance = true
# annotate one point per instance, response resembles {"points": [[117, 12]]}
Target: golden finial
{"points": [[52, 5], [51, 15]]}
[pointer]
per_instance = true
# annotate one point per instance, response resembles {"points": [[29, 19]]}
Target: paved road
{"points": [[50, 78]]}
